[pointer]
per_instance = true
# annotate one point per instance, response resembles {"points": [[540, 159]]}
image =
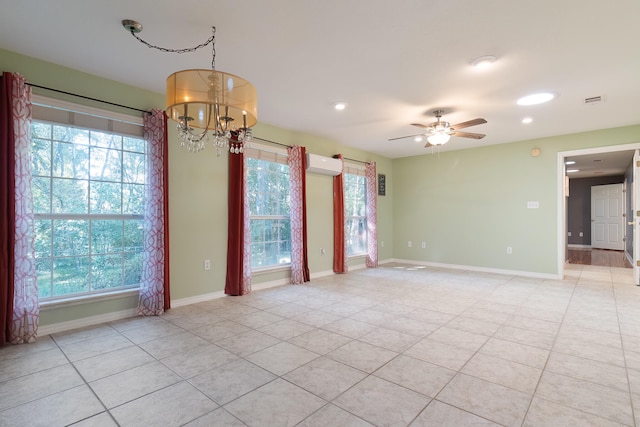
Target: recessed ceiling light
{"points": [[340, 106], [573, 170], [536, 98], [418, 138], [483, 61], [570, 162], [527, 120]]}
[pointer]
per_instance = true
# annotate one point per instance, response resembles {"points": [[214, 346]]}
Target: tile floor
{"points": [[392, 346]]}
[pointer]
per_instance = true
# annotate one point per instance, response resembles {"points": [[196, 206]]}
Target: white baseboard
{"points": [[479, 269]]}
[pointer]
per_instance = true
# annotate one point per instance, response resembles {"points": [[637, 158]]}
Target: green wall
{"points": [[198, 194], [468, 206]]}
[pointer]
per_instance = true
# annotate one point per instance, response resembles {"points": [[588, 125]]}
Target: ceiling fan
{"points": [[439, 132]]}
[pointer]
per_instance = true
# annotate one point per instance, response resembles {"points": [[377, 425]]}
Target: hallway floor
{"points": [[394, 346], [601, 257]]}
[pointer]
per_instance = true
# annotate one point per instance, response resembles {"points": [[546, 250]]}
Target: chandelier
{"points": [[208, 105]]}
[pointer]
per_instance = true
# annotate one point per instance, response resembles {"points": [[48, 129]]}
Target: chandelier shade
{"points": [[210, 99]]}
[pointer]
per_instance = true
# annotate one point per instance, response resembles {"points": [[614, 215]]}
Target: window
{"points": [[88, 193], [268, 190], [355, 215]]}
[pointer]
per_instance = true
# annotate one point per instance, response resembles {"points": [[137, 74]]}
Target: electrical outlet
{"points": [[207, 264], [569, 234], [581, 234], [509, 250], [424, 245], [323, 251], [409, 244]]}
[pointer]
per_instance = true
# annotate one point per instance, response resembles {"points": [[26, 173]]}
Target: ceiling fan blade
{"points": [[420, 125], [403, 137], [468, 135], [466, 124]]}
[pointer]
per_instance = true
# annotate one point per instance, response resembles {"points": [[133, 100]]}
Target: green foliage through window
{"points": [[355, 206], [268, 190], [88, 191]]}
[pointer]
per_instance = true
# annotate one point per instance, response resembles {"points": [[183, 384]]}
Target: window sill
{"points": [[273, 269], [84, 299]]}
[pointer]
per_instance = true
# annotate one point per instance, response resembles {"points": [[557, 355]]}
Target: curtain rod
{"points": [[272, 142], [354, 160], [284, 145], [87, 97]]}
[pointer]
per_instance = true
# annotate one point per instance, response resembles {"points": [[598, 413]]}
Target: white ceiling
{"points": [[393, 62]]}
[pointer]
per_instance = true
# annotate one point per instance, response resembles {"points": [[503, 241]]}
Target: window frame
{"points": [[261, 152], [54, 112]]}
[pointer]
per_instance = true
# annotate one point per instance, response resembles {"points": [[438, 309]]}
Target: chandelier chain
{"points": [[211, 40]]}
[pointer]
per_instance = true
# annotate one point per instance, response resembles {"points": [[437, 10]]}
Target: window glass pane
{"points": [[133, 233], [106, 236], [356, 234], [41, 157], [106, 164], [69, 134], [69, 196], [41, 130], [70, 160], [102, 139], [132, 268], [132, 199], [70, 275], [42, 231], [133, 167], [70, 238], [355, 214], [41, 191], [44, 271], [106, 271], [106, 198], [133, 144]]}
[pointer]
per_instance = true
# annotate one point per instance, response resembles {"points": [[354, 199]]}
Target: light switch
{"points": [[533, 205]]}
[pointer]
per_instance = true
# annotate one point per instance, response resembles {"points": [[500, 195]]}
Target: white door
{"points": [[606, 217], [635, 207]]}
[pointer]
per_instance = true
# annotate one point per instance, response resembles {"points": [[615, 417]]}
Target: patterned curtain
{"points": [[296, 158], [238, 280], [19, 309], [339, 241], [154, 283], [372, 220]]}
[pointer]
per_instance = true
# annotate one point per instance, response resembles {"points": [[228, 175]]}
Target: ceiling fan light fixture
{"points": [[483, 62], [536, 98], [439, 138], [527, 120]]}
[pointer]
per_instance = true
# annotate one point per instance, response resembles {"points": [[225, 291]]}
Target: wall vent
{"points": [[593, 100]]}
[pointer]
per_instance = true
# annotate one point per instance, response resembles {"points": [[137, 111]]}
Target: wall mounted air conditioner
{"points": [[323, 165]]}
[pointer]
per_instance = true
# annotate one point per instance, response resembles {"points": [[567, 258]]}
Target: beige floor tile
{"points": [[349, 327], [586, 396], [504, 372], [441, 354], [526, 336], [133, 383], [246, 343], [277, 403], [37, 385], [220, 330], [325, 377], [320, 341], [441, 414], [111, 363], [331, 415], [218, 417], [363, 356], [205, 358], [61, 408], [94, 346], [389, 339], [458, 338], [31, 363], [544, 413], [586, 369], [382, 403], [174, 344], [286, 329], [171, 406], [282, 358], [495, 402], [416, 375], [228, 382], [509, 350]]}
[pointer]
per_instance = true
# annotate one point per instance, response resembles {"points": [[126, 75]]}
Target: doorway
{"points": [[589, 157]]}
